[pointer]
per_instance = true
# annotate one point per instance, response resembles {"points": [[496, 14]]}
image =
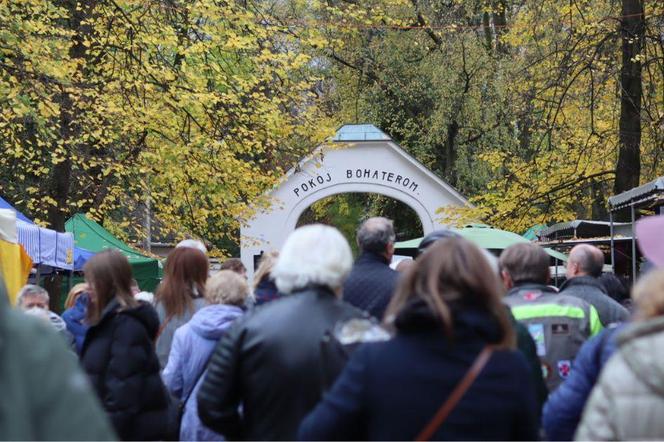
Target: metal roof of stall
{"points": [[651, 192], [581, 228], [360, 132], [647, 196]]}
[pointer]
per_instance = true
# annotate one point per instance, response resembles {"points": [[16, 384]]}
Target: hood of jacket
{"points": [[636, 344], [143, 312], [80, 307], [212, 321], [82, 301], [468, 321]]}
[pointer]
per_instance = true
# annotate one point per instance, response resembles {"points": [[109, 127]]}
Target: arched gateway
{"points": [[360, 159]]}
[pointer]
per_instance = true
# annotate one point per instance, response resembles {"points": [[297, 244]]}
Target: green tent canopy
{"points": [[532, 233], [486, 237], [92, 236]]}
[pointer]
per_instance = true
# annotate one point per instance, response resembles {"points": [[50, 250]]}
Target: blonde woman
{"points": [[628, 401], [225, 293], [265, 289], [74, 293], [76, 307]]}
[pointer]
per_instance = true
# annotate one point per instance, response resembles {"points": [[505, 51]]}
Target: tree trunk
{"points": [[500, 25], [628, 166], [488, 37], [70, 131], [450, 153]]}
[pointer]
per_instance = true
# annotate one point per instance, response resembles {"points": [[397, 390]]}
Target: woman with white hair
{"points": [[271, 361], [193, 343]]}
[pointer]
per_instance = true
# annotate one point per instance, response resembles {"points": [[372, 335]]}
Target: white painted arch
{"points": [[360, 159]]}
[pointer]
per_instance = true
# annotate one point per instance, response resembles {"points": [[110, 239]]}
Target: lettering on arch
{"points": [[386, 177]]}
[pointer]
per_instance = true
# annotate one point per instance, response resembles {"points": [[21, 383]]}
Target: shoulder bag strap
{"points": [[198, 378], [163, 327], [456, 395]]}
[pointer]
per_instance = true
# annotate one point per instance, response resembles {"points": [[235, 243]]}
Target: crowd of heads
{"points": [[448, 275]]}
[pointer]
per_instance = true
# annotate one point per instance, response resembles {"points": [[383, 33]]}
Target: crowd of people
{"points": [[456, 344]]}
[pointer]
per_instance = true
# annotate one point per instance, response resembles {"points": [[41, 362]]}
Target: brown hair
{"points": [[268, 260], [526, 262], [453, 270], [74, 293], [648, 295], [109, 275], [184, 279]]}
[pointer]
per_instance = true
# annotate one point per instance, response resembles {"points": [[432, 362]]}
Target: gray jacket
{"points": [[628, 401], [167, 329], [592, 291], [45, 394]]}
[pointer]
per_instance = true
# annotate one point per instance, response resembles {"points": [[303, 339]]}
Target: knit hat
{"points": [[435, 236]]}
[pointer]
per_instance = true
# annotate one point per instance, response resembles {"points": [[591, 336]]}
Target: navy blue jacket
{"points": [[371, 284], [562, 412], [391, 390], [266, 291], [74, 317]]}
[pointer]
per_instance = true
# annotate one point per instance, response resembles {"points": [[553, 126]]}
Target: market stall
{"points": [[90, 235]]}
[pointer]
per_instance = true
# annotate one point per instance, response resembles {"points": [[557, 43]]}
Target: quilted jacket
{"points": [[628, 401], [371, 284], [118, 355]]}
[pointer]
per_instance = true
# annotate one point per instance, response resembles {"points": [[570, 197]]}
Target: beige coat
{"points": [[628, 401]]}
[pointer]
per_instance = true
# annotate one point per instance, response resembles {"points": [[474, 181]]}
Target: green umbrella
{"points": [[408, 244], [486, 237], [489, 238]]}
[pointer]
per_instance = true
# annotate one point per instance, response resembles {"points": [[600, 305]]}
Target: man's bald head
{"points": [[376, 235], [585, 260]]}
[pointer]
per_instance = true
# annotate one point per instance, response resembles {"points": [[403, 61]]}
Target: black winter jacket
{"points": [[593, 292], [391, 390], [118, 355], [371, 284], [271, 363]]}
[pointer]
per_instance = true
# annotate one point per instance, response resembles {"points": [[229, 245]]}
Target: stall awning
{"points": [[92, 236], [46, 246], [5, 205], [583, 229], [485, 237], [651, 191]]}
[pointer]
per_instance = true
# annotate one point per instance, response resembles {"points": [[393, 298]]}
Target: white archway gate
{"points": [[360, 159]]}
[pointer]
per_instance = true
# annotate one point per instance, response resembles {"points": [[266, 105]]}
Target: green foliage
{"points": [[347, 211]]}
